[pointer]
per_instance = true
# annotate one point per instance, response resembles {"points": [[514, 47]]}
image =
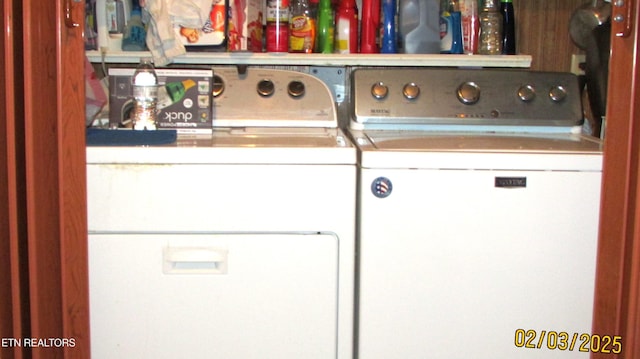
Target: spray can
{"points": [[470, 26], [277, 34], [388, 37], [346, 33]]}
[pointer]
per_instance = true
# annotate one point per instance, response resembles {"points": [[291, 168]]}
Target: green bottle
{"points": [[325, 36]]}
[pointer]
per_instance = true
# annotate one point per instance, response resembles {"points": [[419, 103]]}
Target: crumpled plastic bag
{"points": [[95, 93]]}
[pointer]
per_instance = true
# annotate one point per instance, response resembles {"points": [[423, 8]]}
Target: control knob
{"points": [[266, 88], [296, 89], [218, 86], [379, 90], [557, 93], [526, 93], [468, 93], [411, 91]]}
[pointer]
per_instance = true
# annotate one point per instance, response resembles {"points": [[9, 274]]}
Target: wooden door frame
{"points": [[13, 278], [43, 209], [617, 297]]}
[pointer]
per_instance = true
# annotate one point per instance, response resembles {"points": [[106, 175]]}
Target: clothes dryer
{"points": [[235, 244]]}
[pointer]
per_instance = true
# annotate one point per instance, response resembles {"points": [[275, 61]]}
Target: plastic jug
{"points": [[419, 26]]}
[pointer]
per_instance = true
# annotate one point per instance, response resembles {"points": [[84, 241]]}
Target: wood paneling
{"points": [[543, 32]]}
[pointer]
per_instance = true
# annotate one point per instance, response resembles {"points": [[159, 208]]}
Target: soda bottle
{"points": [[302, 27], [145, 95]]}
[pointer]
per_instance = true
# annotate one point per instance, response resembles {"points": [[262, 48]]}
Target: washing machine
{"points": [[477, 214], [233, 244]]}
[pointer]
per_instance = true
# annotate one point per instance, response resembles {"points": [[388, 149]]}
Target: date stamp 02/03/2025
{"points": [[557, 340]]}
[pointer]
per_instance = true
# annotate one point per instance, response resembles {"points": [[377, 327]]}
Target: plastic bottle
{"points": [[115, 16], [325, 31], [450, 28], [145, 96], [135, 34], [508, 27], [419, 26], [388, 36], [302, 27], [346, 33], [490, 41], [370, 27], [277, 34], [470, 26]]}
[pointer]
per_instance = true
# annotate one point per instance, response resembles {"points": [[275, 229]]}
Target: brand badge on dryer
{"points": [[381, 187]]}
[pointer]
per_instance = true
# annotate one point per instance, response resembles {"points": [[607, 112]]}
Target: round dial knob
{"points": [[468, 93], [557, 93], [411, 91], [218, 86], [526, 93], [266, 88], [379, 90], [295, 89]]}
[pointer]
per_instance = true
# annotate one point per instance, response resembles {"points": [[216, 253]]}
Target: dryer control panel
{"points": [[270, 98]]}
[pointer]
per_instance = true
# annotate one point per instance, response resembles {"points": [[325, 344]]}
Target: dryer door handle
{"points": [[194, 260]]}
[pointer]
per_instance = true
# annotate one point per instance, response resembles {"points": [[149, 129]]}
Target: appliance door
{"points": [[477, 263], [213, 295]]}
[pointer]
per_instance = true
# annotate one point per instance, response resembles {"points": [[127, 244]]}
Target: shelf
{"points": [[250, 58]]}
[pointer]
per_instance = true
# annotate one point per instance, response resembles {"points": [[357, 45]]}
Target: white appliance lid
{"points": [[391, 149], [238, 146]]}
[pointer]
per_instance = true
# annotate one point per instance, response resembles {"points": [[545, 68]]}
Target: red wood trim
{"points": [[617, 297], [11, 285], [73, 189], [55, 179]]}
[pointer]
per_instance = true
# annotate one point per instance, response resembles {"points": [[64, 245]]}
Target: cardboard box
{"points": [[245, 25], [184, 99]]}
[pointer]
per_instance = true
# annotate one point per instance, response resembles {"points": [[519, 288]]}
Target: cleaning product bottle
{"points": [[450, 28], [370, 27], [145, 95], [135, 34], [325, 31], [388, 35], [508, 27], [115, 16], [490, 41], [277, 34], [419, 26], [346, 32]]}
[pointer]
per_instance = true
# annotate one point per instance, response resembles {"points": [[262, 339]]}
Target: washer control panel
{"points": [[446, 96]]}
